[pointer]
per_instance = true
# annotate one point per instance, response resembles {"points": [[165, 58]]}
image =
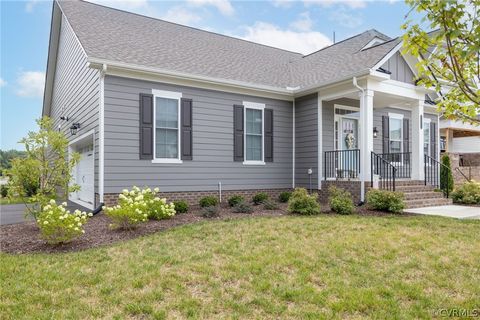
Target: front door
{"points": [[85, 175], [346, 138], [349, 133]]}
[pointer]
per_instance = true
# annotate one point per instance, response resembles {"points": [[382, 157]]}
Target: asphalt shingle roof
{"points": [[120, 36]]}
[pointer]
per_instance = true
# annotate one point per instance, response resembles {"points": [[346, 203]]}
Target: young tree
{"points": [[449, 56], [446, 176], [45, 169]]}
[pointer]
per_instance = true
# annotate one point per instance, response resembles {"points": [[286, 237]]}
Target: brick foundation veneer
{"points": [[471, 167], [351, 186], [192, 197]]}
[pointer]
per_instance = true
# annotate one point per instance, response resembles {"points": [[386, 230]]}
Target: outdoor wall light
{"points": [[375, 132], [74, 128], [64, 118]]}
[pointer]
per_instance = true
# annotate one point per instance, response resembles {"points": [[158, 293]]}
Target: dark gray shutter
{"points": [[385, 134], [268, 139], [186, 127], [406, 135], [433, 140], [146, 126], [238, 133]]}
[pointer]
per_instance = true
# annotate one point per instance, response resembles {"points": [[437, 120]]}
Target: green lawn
{"points": [[10, 201], [289, 267]]}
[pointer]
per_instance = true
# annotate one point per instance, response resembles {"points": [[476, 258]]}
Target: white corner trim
{"points": [[319, 141], [170, 161], [293, 147]]}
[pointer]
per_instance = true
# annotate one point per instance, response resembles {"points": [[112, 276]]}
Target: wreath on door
{"points": [[350, 140]]}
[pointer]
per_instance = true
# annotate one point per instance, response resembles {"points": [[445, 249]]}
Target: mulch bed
{"points": [[25, 237]]}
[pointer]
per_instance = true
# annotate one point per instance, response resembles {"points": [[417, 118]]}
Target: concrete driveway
{"points": [[15, 213], [451, 211]]}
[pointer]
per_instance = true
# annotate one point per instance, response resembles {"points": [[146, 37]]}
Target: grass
{"points": [[344, 267], [10, 200]]}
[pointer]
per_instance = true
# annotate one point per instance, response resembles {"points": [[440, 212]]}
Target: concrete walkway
{"points": [[451, 211]]}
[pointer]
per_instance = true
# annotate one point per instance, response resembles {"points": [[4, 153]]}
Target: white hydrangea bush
{"points": [[138, 205], [58, 225]]}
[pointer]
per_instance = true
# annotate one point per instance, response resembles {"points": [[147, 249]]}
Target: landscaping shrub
{"points": [[57, 225], [446, 177], [385, 200], [210, 212], [235, 199], [468, 193], [208, 201], [259, 198], [270, 205], [284, 196], [302, 203], [242, 207], [181, 206], [4, 191], [340, 201], [136, 206]]}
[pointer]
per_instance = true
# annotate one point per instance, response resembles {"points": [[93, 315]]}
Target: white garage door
{"points": [[85, 175]]}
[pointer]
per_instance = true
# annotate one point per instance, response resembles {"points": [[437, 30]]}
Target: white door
{"points": [[85, 175]]}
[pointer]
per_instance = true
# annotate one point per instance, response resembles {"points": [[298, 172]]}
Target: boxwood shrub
{"points": [[181, 206], [302, 203], [235, 199], [391, 201], [468, 193], [284, 196], [340, 201], [259, 198], [208, 201]]}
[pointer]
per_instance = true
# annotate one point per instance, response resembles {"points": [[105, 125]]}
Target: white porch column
{"points": [[417, 141], [366, 137]]}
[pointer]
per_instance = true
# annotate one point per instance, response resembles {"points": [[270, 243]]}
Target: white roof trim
{"points": [[373, 42], [388, 55]]}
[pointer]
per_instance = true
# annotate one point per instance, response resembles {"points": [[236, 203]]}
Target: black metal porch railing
{"points": [[341, 164], [384, 170], [432, 175], [401, 161]]}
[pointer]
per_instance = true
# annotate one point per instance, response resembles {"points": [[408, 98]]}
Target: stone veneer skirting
{"points": [[192, 197]]}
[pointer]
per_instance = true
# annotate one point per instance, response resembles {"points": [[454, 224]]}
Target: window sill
{"points": [[254, 163], [170, 161]]}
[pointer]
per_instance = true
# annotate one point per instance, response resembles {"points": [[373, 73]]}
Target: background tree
{"points": [[46, 168], [6, 157], [449, 56]]}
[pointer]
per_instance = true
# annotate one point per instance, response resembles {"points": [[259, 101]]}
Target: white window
{"points": [[254, 127], [166, 141], [396, 132], [426, 137]]}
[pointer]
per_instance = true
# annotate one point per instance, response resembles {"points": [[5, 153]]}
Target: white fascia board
{"points": [[180, 78], [388, 56]]}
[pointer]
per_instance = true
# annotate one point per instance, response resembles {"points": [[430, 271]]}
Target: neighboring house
{"points": [[459, 137], [153, 103]]}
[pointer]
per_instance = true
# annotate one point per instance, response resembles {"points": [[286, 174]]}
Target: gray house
{"points": [[152, 103]]}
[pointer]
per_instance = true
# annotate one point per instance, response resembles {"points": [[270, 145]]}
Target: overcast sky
{"points": [[300, 26]]}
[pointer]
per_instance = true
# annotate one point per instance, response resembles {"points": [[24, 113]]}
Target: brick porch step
{"points": [[414, 188], [420, 203], [422, 194], [418, 195]]}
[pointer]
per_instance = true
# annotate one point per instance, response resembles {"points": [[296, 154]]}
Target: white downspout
{"points": [[362, 104], [293, 146], [101, 135]]}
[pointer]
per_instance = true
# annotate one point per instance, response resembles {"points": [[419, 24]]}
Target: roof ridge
{"points": [[185, 26], [378, 44], [334, 44]]}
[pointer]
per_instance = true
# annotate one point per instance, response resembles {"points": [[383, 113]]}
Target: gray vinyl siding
{"points": [[306, 140], [399, 69], [212, 115], [377, 122], [75, 90]]}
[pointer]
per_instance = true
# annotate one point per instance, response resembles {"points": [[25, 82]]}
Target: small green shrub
{"points": [[270, 205], [208, 201], [302, 203], [468, 193], [210, 212], [242, 207], [340, 201], [4, 191], [57, 225], [235, 199], [181, 206], [259, 198], [284, 196], [385, 200]]}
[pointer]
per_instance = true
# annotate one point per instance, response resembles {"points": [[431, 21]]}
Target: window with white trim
{"points": [[167, 131], [426, 137], [254, 127], [396, 133]]}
